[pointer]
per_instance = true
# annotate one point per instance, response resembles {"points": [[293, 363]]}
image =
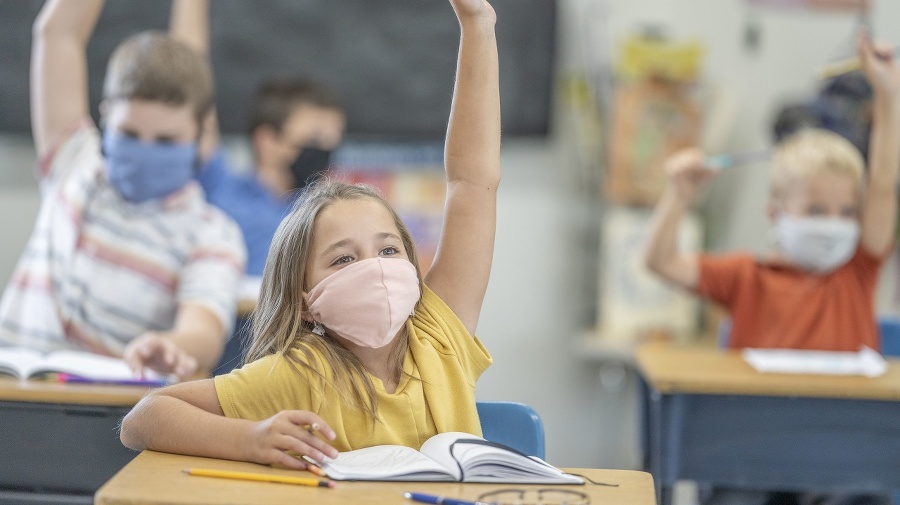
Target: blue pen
{"points": [[439, 500]]}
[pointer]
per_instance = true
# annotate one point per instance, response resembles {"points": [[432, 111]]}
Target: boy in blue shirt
{"points": [[294, 126]]}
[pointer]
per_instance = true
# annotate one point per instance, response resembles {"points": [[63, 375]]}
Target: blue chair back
{"points": [[889, 327], [514, 424], [888, 330]]}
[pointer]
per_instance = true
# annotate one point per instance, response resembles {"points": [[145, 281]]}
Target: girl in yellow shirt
{"points": [[352, 346]]}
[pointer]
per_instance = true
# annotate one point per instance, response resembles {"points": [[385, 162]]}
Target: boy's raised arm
{"points": [[189, 24], [59, 89], [687, 176], [462, 264], [879, 211]]}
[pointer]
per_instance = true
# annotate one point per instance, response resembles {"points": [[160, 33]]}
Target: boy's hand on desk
{"points": [[289, 430], [154, 351], [687, 173]]}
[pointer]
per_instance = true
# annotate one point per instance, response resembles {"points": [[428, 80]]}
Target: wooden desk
{"points": [[155, 478], [710, 417], [59, 442]]}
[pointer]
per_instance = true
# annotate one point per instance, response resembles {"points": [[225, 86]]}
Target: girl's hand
{"points": [[268, 441], [879, 66], [466, 9], [687, 173]]}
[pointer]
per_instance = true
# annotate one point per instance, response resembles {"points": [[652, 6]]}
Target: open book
{"points": [[448, 456], [29, 364]]}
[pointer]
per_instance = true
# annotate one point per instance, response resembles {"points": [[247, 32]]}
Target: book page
{"points": [[84, 364], [17, 361], [490, 463], [385, 462]]}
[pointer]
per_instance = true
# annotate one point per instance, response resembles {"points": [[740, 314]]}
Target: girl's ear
{"points": [[304, 310]]}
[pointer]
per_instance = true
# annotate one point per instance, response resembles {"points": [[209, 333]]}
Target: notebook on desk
{"points": [[866, 362]]}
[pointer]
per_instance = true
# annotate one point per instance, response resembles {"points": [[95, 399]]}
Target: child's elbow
{"points": [[130, 432]]}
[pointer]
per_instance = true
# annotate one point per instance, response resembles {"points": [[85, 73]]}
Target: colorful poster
{"points": [[411, 179]]}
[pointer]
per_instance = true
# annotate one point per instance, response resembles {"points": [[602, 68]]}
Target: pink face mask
{"points": [[367, 302]]}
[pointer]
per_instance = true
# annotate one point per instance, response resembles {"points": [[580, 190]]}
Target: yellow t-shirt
{"points": [[443, 359]]}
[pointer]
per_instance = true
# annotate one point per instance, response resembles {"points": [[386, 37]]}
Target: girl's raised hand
{"points": [[268, 441], [474, 9]]}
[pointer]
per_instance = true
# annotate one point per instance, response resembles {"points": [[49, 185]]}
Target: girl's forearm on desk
{"points": [[164, 423]]}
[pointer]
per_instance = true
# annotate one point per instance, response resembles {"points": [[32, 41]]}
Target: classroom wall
{"points": [[540, 299]]}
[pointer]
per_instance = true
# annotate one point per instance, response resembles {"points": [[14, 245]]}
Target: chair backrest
{"points": [[889, 328], [514, 424], [888, 331]]}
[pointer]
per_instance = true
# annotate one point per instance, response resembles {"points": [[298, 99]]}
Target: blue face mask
{"points": [[145, 171]]}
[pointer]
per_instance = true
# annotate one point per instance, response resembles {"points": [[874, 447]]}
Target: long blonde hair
{"points": [[278, 326]]}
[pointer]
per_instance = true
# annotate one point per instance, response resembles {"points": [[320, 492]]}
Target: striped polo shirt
{"points": [[99, 271]]}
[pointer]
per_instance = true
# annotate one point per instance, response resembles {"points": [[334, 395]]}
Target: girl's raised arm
{"points": [[462, 264]]}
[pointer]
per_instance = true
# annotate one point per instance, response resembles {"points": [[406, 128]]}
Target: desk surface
{"points": [[157, 478], [78, 394], [707, 370]]}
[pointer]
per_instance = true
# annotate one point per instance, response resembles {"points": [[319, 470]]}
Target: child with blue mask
{"points": [[833, 227], [126, 258]]}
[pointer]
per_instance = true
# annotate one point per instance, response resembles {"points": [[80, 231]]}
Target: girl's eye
{"points": [[342, 260], [389, 251]]}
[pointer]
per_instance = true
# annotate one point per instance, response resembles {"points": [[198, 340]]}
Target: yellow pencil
{"points": [[261, 477], [841, 67]]}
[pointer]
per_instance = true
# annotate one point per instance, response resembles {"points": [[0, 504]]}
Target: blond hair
{"points": [[278, 323], [154, 66], [811, 152]]}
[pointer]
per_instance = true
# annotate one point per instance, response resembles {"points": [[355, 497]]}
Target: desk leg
{"points": [[657, 448]]}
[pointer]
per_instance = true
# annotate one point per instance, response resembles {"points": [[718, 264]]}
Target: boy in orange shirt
{"points": [[834, 227]]}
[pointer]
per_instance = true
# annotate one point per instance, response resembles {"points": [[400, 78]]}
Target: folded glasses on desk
{"points": [[548, 496]]}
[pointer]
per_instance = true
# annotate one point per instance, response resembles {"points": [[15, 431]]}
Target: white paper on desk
{"points": [[867, 362]]}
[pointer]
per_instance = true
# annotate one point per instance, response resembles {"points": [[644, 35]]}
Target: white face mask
{"points": [[819, 244]]}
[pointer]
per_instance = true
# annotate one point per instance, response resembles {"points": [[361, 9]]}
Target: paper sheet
{"points": [[867, 362]]}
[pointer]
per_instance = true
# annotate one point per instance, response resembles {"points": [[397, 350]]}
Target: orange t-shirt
{"points": [[778, 306]]}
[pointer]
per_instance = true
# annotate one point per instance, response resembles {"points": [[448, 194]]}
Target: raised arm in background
{"points": [[59, 85], [879, 209]]}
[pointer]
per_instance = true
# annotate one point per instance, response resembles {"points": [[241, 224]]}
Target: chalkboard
{"points": [[392, 61]]}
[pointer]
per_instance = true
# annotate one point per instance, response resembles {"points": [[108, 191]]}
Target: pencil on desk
{"points": [[260, 477]]}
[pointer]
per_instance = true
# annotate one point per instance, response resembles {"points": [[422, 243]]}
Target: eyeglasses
{"points": [[546, 496]]}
